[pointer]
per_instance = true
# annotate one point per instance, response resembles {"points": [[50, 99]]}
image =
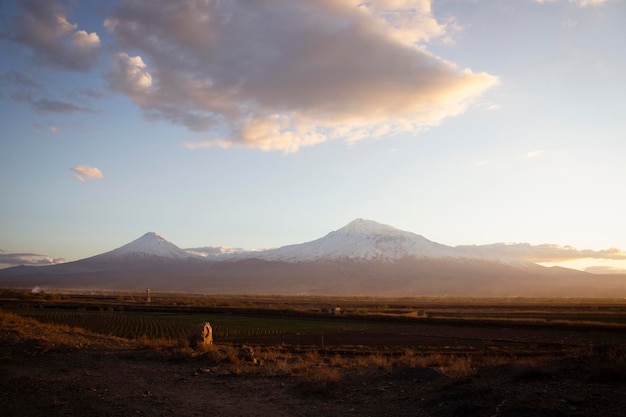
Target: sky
{"points": [[266, 123]]}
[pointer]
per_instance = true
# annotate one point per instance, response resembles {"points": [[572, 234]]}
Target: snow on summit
{"points": [[148, 245], [361, 239]]}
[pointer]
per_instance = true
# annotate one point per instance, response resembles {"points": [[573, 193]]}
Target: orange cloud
{"points": [[278, 75], [85, 173], [43, 27]]}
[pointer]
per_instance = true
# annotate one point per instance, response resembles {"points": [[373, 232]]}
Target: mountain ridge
{"points": [[362, 258], [369, 241]]}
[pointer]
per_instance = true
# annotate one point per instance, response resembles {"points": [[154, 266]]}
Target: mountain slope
{"points": [[363, 240], [150, 245], [369, 241], [149, 255], [362, 258]]}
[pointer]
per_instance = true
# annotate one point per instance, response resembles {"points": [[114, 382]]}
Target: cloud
{"points": [[46, 105], [85, 173], [534, 154], [60, 128], [43, 27], [93, 93], [128, 74], [15, 78], [214, 251], [551, 253], [26, 89], [604, 269], [32, 259], [279, 75], [581, 3], [569, 23]]}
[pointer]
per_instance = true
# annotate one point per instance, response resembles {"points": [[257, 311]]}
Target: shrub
{"points": [[374, 360], [458, 367], [155, 344], [319, 380], [409, 359], [338, 361]]}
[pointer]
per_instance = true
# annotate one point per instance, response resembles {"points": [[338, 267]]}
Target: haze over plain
{"points": [[258, 125]]}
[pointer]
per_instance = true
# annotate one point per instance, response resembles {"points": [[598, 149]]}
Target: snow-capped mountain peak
{"points": [[149, 245], [364, 240], [360, 240]]}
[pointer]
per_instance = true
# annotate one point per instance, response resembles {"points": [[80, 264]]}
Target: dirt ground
{"points": [[47, 371]]}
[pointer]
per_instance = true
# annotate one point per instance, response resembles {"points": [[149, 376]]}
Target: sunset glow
{"points": [[254, 125]]}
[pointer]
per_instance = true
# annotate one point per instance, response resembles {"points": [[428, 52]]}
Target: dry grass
{"points": [[320, 380], [274, 354], [318, 371], [56, 335], [458, 367], [12, 320], [231, 354], [337, 361], [156, 344], [24, 326], [279, 368], [310, 358], [373, 360]]}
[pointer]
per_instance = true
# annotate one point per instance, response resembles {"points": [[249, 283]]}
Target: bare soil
{"points": [[52, 371]]}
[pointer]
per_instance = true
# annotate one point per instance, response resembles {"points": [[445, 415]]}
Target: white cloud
{"points": [[214, 251], [552, 253], [404, 21], [43, 27], [128, 74], [606, 269], [534, 154], [208, 144], [280, 75], [488, 106], [584, 3], [581, 3], [55, 129], [85, 173], [569, 23], [31, 259], [85, 41]]}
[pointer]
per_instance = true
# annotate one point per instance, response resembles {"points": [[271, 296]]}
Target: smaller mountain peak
{"points": [[151, 244]]}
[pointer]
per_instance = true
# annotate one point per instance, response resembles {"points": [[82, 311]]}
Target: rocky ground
{"points": [[52, 371]]}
